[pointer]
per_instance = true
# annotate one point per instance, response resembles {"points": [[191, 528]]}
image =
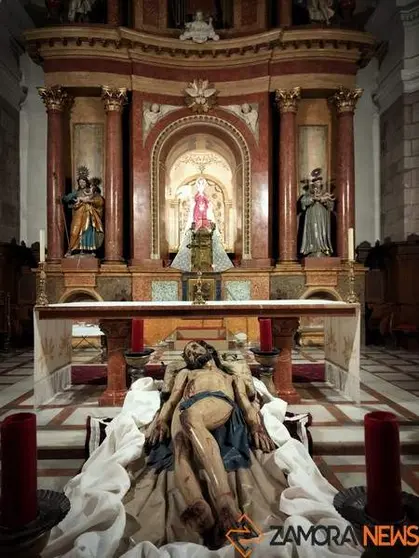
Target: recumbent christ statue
{"points": [[207, 449]]}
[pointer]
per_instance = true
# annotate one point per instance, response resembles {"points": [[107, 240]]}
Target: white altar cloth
{"points": [[96, 521]]}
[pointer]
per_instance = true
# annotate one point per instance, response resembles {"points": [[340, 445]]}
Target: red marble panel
{"points": [[140, 184], [313, 67], [151, 13], [212, 74], [87, 65], [249, 12], [141, 287], [260, 287]]}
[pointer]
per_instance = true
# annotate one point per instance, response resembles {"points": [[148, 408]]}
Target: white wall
{"points": [[367, 162], [33, 154]]}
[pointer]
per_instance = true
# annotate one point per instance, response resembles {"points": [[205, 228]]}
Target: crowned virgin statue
{"points": [[201, 216]]}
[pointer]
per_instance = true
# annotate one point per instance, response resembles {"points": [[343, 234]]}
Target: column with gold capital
{"points": [[114, 100], [344, 100], [56, 100], [287, 102]]}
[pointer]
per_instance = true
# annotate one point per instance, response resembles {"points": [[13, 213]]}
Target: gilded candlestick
{"points": [[352, 296], [41, 297], [199, 297]]}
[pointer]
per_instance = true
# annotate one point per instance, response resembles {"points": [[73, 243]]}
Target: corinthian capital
{"points": [[114, 98], [345, 100], [287, 99], [56, 99]]}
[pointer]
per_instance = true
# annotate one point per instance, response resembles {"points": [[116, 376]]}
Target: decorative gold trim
{"points": [[288, 99], [185, 122], [345, 100], [113, 98], [55, 98]]}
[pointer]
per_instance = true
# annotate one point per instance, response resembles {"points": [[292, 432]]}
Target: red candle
{"points": [[19, 502], [382, 460], [137, 335], [265, 330]]}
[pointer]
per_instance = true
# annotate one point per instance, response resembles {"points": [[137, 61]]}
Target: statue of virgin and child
{"points": [[87, 204], [201, 216]]}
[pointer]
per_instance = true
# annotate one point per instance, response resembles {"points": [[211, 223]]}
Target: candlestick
{"points": [[19, 500], [352, 296], [42, 245], [41, 297], [382, 461], [137, 335], [351, 242], [198, 296], [265, 331]]}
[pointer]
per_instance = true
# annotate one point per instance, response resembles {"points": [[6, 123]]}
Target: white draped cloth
{"points": [[95, 525]]}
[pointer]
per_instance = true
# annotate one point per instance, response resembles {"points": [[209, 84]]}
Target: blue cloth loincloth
{"points": [[232, 438]]}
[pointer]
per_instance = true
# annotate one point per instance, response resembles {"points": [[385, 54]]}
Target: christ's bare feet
{"points": [[198, 517]]}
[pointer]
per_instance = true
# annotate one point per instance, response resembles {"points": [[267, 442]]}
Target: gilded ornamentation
{"points": [[200, 96], [245, 169], [345, 100], [114, 98], [287, 99], [55, 98]]}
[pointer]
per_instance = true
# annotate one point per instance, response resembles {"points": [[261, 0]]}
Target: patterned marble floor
{"points": [[390, 382]]}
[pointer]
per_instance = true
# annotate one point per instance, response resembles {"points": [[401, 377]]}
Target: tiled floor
{"points": [[390, 382]]}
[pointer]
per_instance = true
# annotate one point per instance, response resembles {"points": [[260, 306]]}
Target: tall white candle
{"points": [[42, 245], [351, 242]]}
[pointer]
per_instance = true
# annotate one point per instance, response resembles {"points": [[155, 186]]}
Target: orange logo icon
{"points": [[246, 532]]}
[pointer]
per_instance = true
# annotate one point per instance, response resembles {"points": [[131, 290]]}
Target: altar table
{"points": [[53, 339]]}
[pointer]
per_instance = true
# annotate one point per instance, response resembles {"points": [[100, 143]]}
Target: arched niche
{"points": [[80, 295], [181, 137], [311, 329]]}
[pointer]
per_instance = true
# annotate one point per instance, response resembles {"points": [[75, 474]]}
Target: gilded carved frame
{"points": [[240, 142]]}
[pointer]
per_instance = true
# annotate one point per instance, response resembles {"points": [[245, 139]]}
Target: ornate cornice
{"points": [[131, 45]]}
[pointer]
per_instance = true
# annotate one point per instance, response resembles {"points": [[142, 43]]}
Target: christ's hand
{"points": [[160, 432], [261, 439]]}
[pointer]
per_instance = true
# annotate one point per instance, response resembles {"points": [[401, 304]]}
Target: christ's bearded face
{"points": [[196, 354]]}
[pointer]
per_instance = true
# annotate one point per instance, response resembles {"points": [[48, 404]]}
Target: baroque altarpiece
{"points": [[247, 110]]}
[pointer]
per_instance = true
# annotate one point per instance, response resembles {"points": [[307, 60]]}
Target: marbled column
{"points": [[118, 335], [285, 13], [287, 101], [284, 330], [114, 12], [344, 100], [56, 101], [114, 101]]}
